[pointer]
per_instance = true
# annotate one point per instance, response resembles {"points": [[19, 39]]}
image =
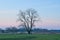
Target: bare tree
{"points": [[28, 18]]}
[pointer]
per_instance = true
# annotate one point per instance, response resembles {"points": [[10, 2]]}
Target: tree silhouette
{"points": [[28, 18]]}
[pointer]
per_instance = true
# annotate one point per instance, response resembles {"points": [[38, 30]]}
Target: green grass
{"points": [[30, 37]]}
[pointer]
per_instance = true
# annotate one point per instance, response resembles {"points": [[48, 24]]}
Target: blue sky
{"points": [[49, 10]]}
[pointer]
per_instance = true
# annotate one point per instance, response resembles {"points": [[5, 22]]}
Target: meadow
{"points": [[29, 36]]}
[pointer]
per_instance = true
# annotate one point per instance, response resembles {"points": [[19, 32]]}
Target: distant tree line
{"points": [[23, 30]]}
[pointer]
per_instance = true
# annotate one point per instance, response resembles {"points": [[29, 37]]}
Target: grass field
{"points": [[30, 37]]}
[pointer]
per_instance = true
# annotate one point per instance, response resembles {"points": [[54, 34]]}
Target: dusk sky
{"points": [[48, 10]]}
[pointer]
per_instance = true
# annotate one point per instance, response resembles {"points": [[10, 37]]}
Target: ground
{"points": [[30, 37]]}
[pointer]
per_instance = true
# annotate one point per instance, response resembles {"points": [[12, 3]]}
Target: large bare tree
{"points": [[28, 18]]}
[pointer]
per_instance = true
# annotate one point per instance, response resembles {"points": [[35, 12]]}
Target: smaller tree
{"points": [[11, 30], [1, 30], [14, 29], [28, 19], [8, 30]]}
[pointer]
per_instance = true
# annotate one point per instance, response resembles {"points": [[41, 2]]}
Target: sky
{"points": [[48, 10]]}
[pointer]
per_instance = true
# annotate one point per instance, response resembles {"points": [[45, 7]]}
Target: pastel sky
{"points": [[48, 10]]}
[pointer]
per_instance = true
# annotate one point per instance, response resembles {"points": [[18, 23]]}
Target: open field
{"points": [[30, 37]]}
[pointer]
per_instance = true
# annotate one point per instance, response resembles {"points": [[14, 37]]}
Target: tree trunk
{"points": [[29, 32]]}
